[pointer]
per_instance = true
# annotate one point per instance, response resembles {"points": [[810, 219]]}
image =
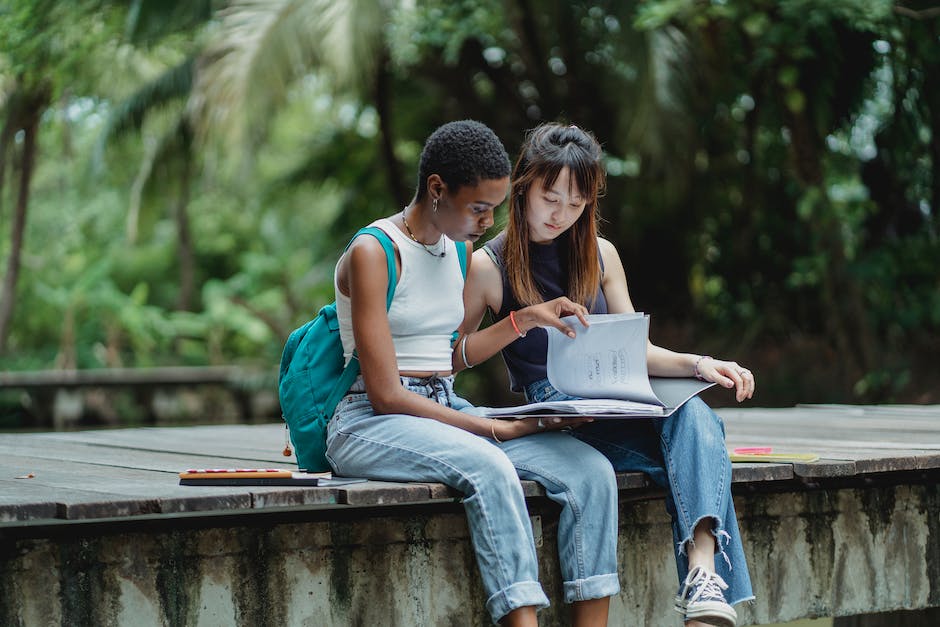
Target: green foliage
{"points": [[454, 23], [149, 21], [48, 42], [773, 171]]}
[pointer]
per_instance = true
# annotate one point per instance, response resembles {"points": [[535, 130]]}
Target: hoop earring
{"points": [[434, 205]]}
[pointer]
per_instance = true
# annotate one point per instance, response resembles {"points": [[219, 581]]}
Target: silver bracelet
{"points": [[463, 351]]}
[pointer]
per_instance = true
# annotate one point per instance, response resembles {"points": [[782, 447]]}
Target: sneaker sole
{"points": [[719, 616]]}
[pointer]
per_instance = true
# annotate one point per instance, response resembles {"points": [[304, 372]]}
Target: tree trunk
{"points": [[187, 257], [932, 99], [67, 359], [527, 29], [383, 108], [18, 228], [10, 126]]}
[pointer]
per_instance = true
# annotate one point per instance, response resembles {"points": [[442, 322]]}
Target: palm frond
{"points": [[161, 157], [150, 20], [135, 201], [350, 47], [175, 84], [262, 46]]}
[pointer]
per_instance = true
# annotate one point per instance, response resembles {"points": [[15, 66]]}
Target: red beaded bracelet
{"points": [[512, 319]]}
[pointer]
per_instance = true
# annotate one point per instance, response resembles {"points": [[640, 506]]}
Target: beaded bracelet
{"points": [[698, 374], [512, 319]]}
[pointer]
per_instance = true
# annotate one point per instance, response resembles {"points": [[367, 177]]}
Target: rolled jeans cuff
{"points": [[517, 595], [596, 587]]}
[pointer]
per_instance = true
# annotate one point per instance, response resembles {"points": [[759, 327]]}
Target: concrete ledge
{"points": [[811, 553], [102, 534]]}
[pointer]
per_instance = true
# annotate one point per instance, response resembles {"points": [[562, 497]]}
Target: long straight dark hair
{"points": [[548, 149]]}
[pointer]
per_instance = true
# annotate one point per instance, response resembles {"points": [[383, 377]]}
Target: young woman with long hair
{"points": [[550, 248]]}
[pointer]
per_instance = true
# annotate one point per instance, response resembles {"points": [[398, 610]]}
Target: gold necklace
{"points": [[423, 245]]}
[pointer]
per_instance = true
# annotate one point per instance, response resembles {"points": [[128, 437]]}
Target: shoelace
{"points": [[709, 586]]}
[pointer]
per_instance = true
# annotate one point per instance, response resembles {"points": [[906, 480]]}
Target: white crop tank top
{"points": [[427, 306]]}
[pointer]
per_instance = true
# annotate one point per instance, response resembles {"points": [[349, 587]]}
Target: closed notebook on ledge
{"points": [[260, 477]]}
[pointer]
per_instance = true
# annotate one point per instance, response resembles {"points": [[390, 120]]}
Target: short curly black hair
{"points": [[462, 153]]}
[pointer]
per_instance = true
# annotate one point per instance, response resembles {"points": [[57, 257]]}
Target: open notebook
{"points": [[605, 366]]}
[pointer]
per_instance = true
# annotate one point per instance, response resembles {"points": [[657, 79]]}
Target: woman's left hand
{"points": [[728, 374]]}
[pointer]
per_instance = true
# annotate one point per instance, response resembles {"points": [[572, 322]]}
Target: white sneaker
{"points": [[701, 597]]}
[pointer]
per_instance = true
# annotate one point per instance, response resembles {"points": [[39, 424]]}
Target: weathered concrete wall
{"points": [[929, 617], [817, 553], [842, 553]]}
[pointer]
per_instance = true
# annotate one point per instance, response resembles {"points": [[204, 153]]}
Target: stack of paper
{"points": [[605, 366], [586, 406]]}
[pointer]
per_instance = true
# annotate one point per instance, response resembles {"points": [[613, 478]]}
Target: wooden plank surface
{"points": [[850, 440], [127, 472], [258, 443]]}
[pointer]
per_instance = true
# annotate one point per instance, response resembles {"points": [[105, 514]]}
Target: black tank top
{"points": [[525, 357]]}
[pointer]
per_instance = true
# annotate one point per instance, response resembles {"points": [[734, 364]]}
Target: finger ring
{"points": [[540, 424]]}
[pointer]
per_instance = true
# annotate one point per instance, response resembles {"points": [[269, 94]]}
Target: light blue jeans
{"points": [[398, 447], [684, 453]]}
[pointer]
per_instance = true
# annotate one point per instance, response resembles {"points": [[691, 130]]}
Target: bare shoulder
{"points": [[606, 246], [363, 255], [485, 281], [608, 251], [366, 249], [483, 264]]}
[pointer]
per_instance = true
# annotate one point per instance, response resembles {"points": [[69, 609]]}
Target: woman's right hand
{"points": [[512, 429], [549, 314]]}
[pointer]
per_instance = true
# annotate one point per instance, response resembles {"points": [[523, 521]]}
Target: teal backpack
{"points": [[313, 378]]}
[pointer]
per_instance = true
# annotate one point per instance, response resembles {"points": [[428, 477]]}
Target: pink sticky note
{"points": [[753, 450]]}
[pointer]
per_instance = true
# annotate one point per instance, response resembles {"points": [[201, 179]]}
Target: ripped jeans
{"points": [[398, 447], [684, 453]]}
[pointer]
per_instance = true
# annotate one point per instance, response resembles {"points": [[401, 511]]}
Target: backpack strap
{"points": [[462, 257], [349, 374], [386, 243], [351, 371]]}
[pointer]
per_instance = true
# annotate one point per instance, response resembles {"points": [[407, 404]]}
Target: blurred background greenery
{"points": [[177, 178]]}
